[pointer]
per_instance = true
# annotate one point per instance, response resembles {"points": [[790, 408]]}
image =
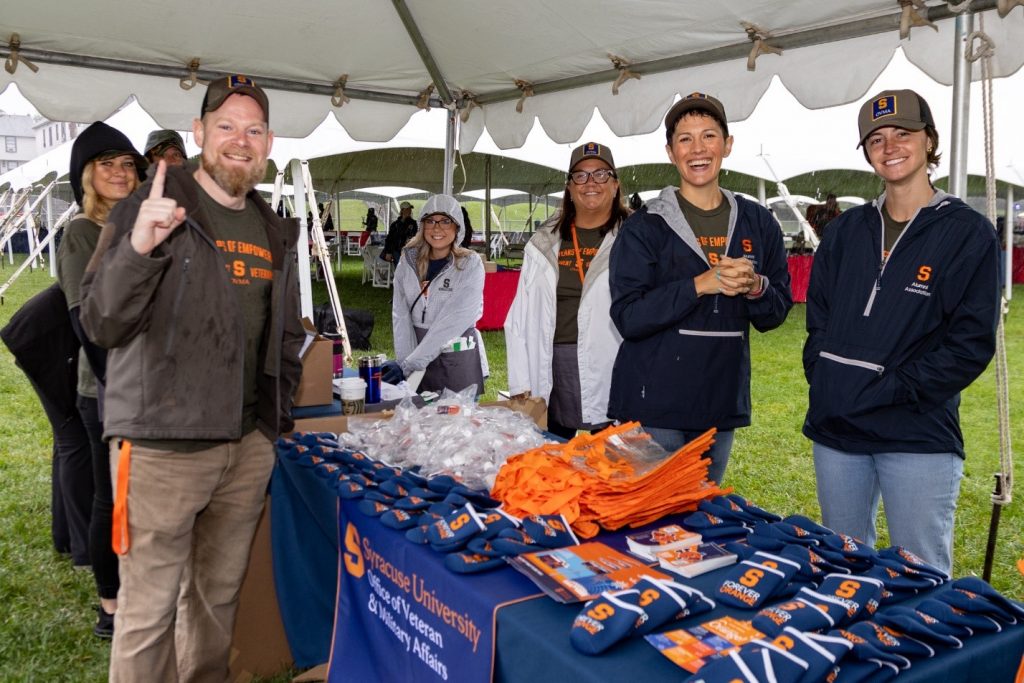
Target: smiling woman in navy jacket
{"points": [[901, 316], [690, 273]]}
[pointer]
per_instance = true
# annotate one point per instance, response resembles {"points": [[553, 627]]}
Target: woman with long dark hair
{"points": [[560, 340]]}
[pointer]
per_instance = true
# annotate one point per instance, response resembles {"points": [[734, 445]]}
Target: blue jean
{"points": [[674, 439], [919, 491]]}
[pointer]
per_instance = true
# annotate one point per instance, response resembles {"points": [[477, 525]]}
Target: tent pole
{"points": [[487, 202], [299, 202], [964, 24], [1008, 222], [336, 205], [762, 195], [423, 49], [51, 250], [451, 134]]}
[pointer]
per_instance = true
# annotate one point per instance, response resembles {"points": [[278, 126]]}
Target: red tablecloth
{"points": [[800, 276], [499, 290], [1018, 265]]}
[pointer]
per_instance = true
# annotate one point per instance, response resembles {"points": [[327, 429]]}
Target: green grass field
{"points": [[46, 629], [515, 217]]}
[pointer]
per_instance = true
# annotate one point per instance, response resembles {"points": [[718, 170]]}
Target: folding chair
{"points": [[382, 272], [369, 258]]}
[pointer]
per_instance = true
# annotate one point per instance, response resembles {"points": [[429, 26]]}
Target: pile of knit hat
{"points": [[618, 477], [462, 522]]}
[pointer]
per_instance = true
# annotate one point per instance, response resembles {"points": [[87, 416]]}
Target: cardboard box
{"points": [[490, 267], [534, 407], [315, 387], [336, 424], [259, 646]]}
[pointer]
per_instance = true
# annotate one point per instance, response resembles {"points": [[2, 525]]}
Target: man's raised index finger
{"points": [[156, 191]]}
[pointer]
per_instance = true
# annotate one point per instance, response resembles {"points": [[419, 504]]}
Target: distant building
{"points": [[51, 134], [17, 141]]}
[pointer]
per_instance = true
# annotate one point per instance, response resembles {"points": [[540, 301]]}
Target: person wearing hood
{"points": [[691, 272], [104, 169], [902, 310], [438, 298], [166, 145], [559, 336]]}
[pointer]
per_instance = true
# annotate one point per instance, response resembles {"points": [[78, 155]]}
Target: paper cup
{"points": [[353, 395]]}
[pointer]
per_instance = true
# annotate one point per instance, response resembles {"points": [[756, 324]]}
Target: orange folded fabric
{"points": [[607, 480]]}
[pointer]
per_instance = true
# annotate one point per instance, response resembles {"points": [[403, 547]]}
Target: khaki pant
{"points": [[189, 515]]}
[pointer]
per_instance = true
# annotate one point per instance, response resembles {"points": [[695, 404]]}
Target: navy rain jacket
{"points": [[889, 348], [684, 362]]}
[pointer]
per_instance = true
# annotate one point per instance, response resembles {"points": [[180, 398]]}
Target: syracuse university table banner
{"points": [[402, 616]]}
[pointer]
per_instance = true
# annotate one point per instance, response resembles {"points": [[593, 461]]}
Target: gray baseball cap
{"points": [[900, 108], [591, 150]]}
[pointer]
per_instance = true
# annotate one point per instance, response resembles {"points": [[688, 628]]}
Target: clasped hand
{"points": [[730, 276]]}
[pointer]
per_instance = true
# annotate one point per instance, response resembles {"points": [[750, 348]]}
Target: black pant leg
{"points": [[74, 472], [58, 520], [101, 552], [560, 429]]}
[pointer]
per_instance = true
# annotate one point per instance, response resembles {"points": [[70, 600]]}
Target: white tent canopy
{"points": [[791, 138], [558, 50]]}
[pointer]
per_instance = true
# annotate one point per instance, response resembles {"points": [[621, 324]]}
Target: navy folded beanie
{"points": [[95, 140]]}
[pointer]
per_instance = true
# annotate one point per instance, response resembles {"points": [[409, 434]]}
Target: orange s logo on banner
{"points": [[353, 555], [924, 273]]}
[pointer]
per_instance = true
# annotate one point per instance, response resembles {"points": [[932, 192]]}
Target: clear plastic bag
{"points": [[453, 436], [630, 454]]}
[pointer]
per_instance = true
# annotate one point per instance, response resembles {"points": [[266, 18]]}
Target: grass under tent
{"points": [[46, 632]]}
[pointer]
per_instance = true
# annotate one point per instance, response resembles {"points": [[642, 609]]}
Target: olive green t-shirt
{"points": [[569, 288], [242, 239], [711, 228], [893, 229], [77, 245]]}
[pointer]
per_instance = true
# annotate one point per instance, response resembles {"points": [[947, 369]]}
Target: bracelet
{"points": [[753, 294]]}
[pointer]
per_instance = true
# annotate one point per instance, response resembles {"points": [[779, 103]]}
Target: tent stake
{"points": [[993, 531]]}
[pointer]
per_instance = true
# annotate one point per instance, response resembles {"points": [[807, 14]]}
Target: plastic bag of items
{"points": [[453, 436]]}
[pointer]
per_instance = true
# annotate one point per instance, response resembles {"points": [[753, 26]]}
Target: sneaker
{"points": [[104, 627]]}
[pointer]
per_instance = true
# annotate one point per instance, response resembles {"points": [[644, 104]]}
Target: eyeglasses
{"points": [[600, 176], [443, 222]]}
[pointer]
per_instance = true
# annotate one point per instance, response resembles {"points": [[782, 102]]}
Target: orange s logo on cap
{"points": [[883, 106], [924, 273]]}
